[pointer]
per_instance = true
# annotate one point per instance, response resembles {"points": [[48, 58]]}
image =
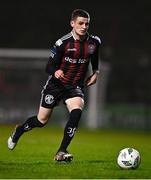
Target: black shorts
{"points": [[53, 92]]}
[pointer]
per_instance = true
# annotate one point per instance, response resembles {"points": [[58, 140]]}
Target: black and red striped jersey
{"points": [[73, 57]]}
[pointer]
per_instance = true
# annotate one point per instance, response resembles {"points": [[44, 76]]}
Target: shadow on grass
{"points": [[4, 163], [97, 161], [84, 162], [51, 163]]}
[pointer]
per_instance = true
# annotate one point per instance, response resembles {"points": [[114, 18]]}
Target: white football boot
{"points": [[11, 144]]}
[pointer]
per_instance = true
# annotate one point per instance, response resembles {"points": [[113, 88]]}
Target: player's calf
{"points": [[29, 124]]}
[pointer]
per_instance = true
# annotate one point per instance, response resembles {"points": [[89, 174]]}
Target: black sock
{"points": [[70, 128], [29, 124]]}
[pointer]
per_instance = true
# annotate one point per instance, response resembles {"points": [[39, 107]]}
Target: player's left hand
{"points": [[91, 79]]}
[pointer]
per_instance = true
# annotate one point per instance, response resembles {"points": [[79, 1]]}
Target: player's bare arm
{"points": [[92, 79]]}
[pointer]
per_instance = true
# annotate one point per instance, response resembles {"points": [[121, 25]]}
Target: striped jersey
{"points": [[73, 57]]}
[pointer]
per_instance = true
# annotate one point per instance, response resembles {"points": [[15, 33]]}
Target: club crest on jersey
{"points": [[91, 48], [49, 99]]}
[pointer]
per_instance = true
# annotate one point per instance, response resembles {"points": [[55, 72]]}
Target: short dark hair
{"points": [[79, 13]]}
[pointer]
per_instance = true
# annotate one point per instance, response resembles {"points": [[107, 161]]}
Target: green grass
{"points": [[95, 153]]}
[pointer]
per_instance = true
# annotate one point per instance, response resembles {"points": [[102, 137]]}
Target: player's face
{"points": [[80, 26]]}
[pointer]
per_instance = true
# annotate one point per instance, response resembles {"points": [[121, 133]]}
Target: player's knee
{"points": [[43, 119], [80, 104], [75, 103]]}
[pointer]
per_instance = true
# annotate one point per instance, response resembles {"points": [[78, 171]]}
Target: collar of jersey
{"points": [[86, 37]]}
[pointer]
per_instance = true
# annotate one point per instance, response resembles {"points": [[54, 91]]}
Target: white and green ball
{"points": [[128, 158]]}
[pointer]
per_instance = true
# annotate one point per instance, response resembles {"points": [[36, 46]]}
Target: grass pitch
{"points": [[95, 153]]}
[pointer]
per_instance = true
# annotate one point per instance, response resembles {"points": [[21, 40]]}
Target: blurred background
{"points": [[122, 97]]}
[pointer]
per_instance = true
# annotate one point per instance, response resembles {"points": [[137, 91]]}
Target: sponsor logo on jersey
{"points": [[49, 99], [72, 49], [79, 61]]}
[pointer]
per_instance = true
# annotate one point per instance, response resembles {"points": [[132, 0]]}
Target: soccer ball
{"points": [[128, 158]]}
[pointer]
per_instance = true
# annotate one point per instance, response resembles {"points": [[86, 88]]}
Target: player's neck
{"points": [[76, 36]]}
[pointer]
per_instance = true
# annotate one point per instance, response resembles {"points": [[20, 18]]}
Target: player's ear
{"points": [[72, 23]]}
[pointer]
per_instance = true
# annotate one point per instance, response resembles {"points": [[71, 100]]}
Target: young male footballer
{"points": [[67, 68]]}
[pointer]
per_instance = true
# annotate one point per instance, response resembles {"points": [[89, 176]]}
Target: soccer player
{"points": [[67, 68]]}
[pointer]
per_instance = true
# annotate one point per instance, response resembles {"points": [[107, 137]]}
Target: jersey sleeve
{"points": [[56, 54], [95, 59]]}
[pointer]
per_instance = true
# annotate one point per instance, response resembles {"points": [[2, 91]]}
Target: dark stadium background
{"points": [[123, 26]]}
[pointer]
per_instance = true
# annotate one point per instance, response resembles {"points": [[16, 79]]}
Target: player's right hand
{"points": [[59, 74]]}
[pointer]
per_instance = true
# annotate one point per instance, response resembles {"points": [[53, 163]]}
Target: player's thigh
{"points": [[74, 103], [44, 114]]}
